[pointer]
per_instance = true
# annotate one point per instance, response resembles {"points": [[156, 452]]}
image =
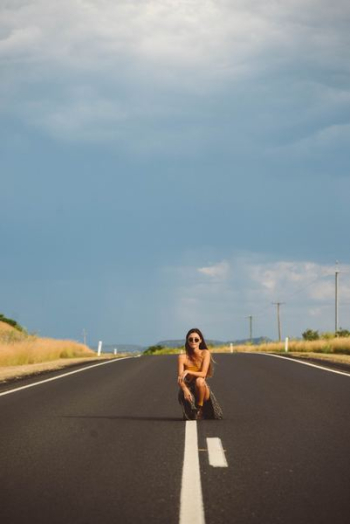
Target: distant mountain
{"points": [[171, 343], [121, 348], [180, 342], [255, 341]]}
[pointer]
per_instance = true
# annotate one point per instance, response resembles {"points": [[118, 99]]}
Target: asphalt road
{"points": [[106, 445]]}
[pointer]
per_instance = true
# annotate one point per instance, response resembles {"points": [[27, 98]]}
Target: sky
{"points": [[174, 164]]}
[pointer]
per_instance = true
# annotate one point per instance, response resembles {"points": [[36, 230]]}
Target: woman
{"points": [[197, 400]]}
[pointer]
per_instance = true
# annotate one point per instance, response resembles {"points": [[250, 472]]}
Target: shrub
{"points": [[342, 333], [153, 349], [11, 322], [310, 334]]}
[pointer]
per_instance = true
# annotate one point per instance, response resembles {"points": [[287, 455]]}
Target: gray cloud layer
{"points": [[101, 70]]}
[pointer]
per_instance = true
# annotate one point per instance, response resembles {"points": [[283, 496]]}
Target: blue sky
{"points": [[170, 164]]}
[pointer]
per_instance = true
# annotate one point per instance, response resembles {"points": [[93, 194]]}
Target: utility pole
{"points": [[336, 296], [278, 304], [250, 327], [84, 336]]}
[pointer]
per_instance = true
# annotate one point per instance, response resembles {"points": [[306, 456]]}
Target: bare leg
{"points": [[202, 391]]}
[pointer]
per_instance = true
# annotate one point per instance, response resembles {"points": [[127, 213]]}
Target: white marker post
{"points": [[115, 351], [286, 345], [231, 347], [99, 348]]}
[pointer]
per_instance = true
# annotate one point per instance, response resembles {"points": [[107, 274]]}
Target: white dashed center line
{"points": [[216, 453], [191, 499]]}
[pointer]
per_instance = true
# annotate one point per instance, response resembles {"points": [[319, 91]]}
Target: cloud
{"points": [[322, 142], [315, 312], [217, 271], [83, 115], [146, 62], [224, 294], [285, 278], [189, 33]]}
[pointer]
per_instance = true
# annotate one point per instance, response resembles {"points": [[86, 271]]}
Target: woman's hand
{"points": [[188, 395]]}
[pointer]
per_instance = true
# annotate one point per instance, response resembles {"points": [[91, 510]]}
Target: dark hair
{"points": [[202, 345]]}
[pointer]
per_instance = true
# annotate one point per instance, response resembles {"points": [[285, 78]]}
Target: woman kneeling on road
{"points": [[197, 400]]}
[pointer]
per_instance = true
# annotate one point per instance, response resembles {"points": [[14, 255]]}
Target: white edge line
{"points": [[191, 498], [60, 376], [216, 454], [305, 363]]}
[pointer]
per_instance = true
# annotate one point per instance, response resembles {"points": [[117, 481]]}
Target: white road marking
{"points": [[216, 453], [191, 499], [305, 364], [60, 376]]}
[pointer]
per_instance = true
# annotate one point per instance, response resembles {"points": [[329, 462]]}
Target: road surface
{"points": [[106, 445]]}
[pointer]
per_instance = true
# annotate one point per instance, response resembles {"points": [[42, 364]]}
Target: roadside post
{"points": [[115, 351], [286, 345], [99, 348], [231, 347]]}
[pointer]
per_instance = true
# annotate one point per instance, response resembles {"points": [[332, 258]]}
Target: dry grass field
{"points": [[18, 348], [330, 346]]}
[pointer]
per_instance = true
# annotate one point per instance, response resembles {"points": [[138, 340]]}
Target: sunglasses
{"points": [[193, 339]]}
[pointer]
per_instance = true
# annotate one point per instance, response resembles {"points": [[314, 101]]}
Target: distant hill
{"points": [[122, 348], [180, 342], [256, 341]]}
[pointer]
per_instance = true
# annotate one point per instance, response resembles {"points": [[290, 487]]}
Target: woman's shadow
{"points": [[126, 417]]}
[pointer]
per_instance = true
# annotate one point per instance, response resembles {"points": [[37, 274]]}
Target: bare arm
{"points": [[180, 371], [180, 378]]}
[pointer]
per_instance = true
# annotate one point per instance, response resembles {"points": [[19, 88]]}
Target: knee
{"points": [[200, 382]]}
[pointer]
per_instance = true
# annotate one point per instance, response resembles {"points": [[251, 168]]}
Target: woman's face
{"points": [[194, 340]]}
